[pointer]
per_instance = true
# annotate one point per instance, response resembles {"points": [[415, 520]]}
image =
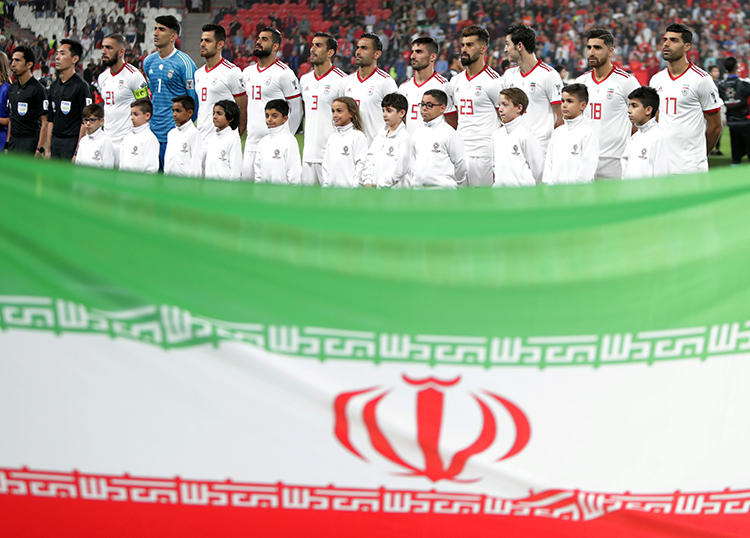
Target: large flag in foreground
{"points": [[193, 357]]}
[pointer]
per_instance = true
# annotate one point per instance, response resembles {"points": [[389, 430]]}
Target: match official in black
{"points": [[69, 94], [28, 106]]}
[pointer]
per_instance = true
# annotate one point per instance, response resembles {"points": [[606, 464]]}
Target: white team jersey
{"points": [[608, 109], [414, 92], [543, 86], [118, 91], [318, 94], [277, 81], [476, 103], [682, 102], [369, 95], [222, 81]]}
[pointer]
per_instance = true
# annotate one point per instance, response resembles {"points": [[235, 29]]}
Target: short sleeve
{"points": [[451, 108], [236, 82], [494, 92], [85, 97], [289, 84], [553, 87], [708, 95], [631, 85]]}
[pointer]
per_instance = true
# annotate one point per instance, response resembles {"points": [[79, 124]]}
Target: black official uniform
{"points": [[735, 93], [66, 102], [26, 105]]}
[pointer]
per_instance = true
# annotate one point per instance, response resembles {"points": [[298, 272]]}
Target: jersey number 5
{"points": [[415, 111], [466, 107]]}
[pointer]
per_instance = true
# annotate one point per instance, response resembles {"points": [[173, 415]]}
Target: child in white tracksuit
{"points": [[95, 148], [222, 154], [517, 157], [647, 152], [346, 150], [184, 153], [388, 162], [277, 159], [139, 149]]}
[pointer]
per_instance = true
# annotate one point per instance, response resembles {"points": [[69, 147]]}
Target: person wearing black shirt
{"points": [[68, 95], [28, 106], [735, 92]]}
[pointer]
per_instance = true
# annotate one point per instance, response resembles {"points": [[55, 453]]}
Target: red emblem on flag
{"points": [[430, 400]]}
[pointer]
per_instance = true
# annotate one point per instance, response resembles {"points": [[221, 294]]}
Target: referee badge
{"points": [[64, 107], [23, 108]]}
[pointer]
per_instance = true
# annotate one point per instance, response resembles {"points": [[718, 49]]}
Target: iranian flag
{"points": [[180, 357]]}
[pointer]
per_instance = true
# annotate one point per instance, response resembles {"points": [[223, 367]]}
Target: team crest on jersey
{"points": [[327, 89], [97, 155], [267, 82], [610, 93], [170, 73], [346, 151], [478, 90], [532, 87], [370, 90], [150, 71], [276, 154], [436, 148], [135, 150], [515, 150], [684, 90], [643, 154], [23, 108], [161, 67], [121, 82], [575, 150]]}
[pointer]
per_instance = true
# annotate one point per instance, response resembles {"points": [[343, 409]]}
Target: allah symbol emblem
{"points": [[498, 416]]}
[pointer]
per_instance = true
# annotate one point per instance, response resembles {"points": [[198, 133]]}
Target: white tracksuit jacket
{"points": [[277, 157], [572, 154], [646, 153], [222, 155], [438, 156], [389, 159], [139, 150], [344, 158], [517, 156], [96, 150], [183, 154]]}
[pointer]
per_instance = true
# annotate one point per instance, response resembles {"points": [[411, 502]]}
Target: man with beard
{"points": [[319, 88], [119, 85], [27, 105], [217, 80], [541, 83], [169, 73], [267, 79], [608, 87], [476, 90], [687, 96], [369, 84], [424, 53]]}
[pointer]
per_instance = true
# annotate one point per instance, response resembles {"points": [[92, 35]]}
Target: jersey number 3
{"points": [[255, 93]]}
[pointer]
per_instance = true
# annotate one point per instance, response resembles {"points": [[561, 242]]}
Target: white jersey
{"points": [[317, 95], [277, 81], [476, 102], [438, 156], [608, 109], [368, 94], [96, 150], [682, 102], [139, 150], [573, 153], [344, 158], [389, 159], [516, 155], [118, 91], [646, 153], [222, 155], [543, 86], [183, 156], [277, 159], [222, 81], [414, 92]]}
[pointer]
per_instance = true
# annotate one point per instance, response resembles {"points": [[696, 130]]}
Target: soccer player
{"points": [[68, 95], [265, 80], [222, 155], [516, 155], [95, 148], [183, 156], [539, 81], [139, 150], [388, 161], [609, 88], [573, 152], [687, 96], [218, 79], [277, 159], [369, 84], [646, 153], [169, 73], [437, 151], [424, 54], [319, 88], [28, 105], [346, 150], [475, 90], [735, 92], [119, 85]]}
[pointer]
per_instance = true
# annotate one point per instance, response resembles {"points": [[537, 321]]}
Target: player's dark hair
{"points": [[476, 30], [76, 49], [143, 104], [279, 105], [603, 34], [687, 34], [578, 91], [231, 111], [94, 109], [518, 97], [170, 21], [353, 108], [28, 54], [428, 42], [439, 95], [375, 40], [331, 43], [219, 33], [730, 64], [525, 35], [119, 38], [275, 34], [187, 102], [648, 97], [395, 100]]}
